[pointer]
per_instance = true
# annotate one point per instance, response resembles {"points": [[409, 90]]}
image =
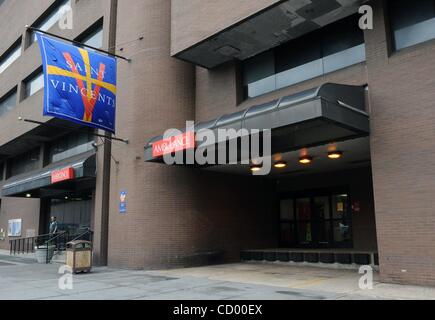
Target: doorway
{"points": [[73, 215], [316, 220]]}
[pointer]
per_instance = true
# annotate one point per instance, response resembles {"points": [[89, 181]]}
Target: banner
{"points": [[79, 84]]}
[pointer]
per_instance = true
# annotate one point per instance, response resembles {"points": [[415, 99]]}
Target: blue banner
{"points": [[79, 84]]}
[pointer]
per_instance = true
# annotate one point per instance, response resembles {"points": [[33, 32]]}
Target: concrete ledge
{"points": [[329, 257]]}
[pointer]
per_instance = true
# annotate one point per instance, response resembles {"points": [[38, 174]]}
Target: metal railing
{"points": [[52, 243]]}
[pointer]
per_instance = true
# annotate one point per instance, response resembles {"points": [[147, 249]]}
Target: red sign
{"points": [[62, 175], [174, 144]]}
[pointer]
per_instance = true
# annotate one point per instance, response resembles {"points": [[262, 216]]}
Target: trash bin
{"points": [[79, 256]]}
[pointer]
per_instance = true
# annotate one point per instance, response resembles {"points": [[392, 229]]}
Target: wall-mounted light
{"points": [[280, 164], [335, 155], [28, 195], [255, 168], [305, 160]]}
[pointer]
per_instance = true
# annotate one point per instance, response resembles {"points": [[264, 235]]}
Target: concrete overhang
{"points": [[51, 130], [267, 29], [331, 112]]}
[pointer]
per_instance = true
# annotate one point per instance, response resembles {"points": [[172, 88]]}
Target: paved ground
{"points": [[21, 278]]}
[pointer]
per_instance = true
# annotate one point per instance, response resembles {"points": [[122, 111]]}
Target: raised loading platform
{"points": [[321, 257]]}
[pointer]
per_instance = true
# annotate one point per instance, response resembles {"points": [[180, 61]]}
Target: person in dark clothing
{"points": [[53, 228]]}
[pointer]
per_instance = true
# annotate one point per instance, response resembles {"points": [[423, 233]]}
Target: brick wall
{"points": [[403, 155], [25, 209], [174, 215]]}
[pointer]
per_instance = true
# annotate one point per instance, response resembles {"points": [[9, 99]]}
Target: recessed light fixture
{"points": [[280, 164], [305, 160], [255, 168], [28, 195], [335, 155]]}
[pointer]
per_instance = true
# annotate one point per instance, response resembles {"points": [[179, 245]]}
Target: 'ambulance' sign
{"points": [[181, 142]]}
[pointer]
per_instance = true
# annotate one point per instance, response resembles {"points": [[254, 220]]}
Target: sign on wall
{"points": [[79, 84], [14, 227], [177, 143], [62, 175], [123, 202]]}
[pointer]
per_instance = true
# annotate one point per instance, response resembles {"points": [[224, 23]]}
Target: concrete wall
{"points": [[195, 20], [14, 15]]}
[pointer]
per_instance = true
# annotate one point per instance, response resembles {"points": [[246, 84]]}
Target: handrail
{"points": [[88, 231], [56, 236], [58, 240], [26, 245]]}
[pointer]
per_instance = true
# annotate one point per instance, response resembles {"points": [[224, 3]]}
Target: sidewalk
{"points": [[22, 278]]}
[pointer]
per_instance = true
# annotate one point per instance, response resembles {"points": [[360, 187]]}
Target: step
{"points": [[59, 257]]}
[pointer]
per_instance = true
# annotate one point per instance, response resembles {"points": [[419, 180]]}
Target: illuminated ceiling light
{"points": [[335, 155], [255, 168], [28, 195], [305, 160], [280, 164]]}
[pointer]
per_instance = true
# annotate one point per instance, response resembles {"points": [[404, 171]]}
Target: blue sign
{"points": [[79, 84], [123, 202]]}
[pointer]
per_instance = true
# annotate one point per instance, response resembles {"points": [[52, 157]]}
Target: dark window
{"points": [[70, 145], [94, 36], [331, 48], [412, 22], [51, 17], [318, 221], [24, 163], [34, 83], [8, 102], [12, 54], [2, 169]]}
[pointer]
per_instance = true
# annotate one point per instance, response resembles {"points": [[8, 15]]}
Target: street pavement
{"points": [[23, 279]]}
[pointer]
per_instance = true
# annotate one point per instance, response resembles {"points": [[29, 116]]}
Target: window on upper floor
{"points": [[331, 48], [33, 84], [94, 38], [51, 17], [412, 22], [8, 101], [2, 169], [12, 54], [23, 163], [70, 145]]}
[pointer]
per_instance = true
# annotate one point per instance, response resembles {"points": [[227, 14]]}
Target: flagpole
{"points": [[77, 130], [78, 43]]}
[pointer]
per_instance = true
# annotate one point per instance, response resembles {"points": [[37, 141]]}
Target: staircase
{"points": [[48, 242], [59, 257]]}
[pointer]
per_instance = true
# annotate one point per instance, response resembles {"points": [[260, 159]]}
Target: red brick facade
{"points": [[185, 216]]}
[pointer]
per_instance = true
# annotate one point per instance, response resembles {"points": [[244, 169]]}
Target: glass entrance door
{"points": [[73, 216], [322, 221]]}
